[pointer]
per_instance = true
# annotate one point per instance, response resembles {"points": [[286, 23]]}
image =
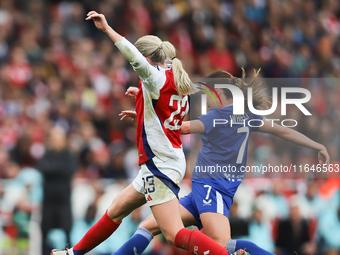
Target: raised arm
{"points": [[136, 59], [297, 138]]}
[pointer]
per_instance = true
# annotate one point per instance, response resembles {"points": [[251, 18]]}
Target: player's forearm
{"points": [[185, 129], [299, 139], [112, 34]]}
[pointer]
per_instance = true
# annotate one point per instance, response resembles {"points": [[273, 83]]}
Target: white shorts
{"points": [[158, 180]]}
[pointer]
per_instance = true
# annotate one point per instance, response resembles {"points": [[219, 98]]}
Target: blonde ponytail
{"points": [[158, 52], [182, 80]]}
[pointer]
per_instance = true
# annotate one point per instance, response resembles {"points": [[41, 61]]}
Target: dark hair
{"points": [[260, 100]]}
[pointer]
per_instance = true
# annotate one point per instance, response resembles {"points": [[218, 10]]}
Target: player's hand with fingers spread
{"points": [[128, 114], [131, 92], [99, 20], [323, 156]]}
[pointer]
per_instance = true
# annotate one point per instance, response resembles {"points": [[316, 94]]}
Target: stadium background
{"points": [[57, 69]]}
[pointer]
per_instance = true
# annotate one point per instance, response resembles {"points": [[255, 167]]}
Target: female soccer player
{"points": [[224, 145], [161, 105]]}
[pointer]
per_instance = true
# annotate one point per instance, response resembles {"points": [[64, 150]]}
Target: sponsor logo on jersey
{"points": [[205, 202]]}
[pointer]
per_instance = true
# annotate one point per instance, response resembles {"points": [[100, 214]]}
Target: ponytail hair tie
{"points": [[173, 58]]}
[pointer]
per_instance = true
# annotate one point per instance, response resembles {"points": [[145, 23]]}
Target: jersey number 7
{"points": [[243, 145]]}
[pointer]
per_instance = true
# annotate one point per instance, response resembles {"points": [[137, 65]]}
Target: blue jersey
{"points": [[224, 148]]}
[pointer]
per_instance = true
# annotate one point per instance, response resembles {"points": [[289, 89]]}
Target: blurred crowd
{"points": [[62, 85]]}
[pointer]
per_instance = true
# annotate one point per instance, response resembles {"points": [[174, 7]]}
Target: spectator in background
{"points": [[329, 230], [260, 231], [56, 69], [4, 158], [21, 152], [18, 70], [219, 56], [20, 198], [279, 199], [293, 235], [240, 227], [57, 166]]}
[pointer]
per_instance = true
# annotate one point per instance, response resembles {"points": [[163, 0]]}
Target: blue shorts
{"points": [[204, 198]]}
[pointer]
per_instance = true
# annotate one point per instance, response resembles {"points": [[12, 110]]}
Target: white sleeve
{"points": [[152, 78]]}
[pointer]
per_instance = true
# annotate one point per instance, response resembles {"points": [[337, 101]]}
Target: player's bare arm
{"points": [[192, 127], [188, 127], [140, 64], [295, 137]]}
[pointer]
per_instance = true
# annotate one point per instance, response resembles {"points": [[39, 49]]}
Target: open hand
{"points": [[128, 114], [323, 156], [99, 20]]}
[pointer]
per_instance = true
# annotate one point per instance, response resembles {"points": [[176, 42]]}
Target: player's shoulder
{"points": [[159, 68], [214, 112], [161, 73], [165, 71]]}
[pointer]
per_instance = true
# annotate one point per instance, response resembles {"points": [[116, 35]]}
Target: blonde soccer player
{"points": [[161, 104]]}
